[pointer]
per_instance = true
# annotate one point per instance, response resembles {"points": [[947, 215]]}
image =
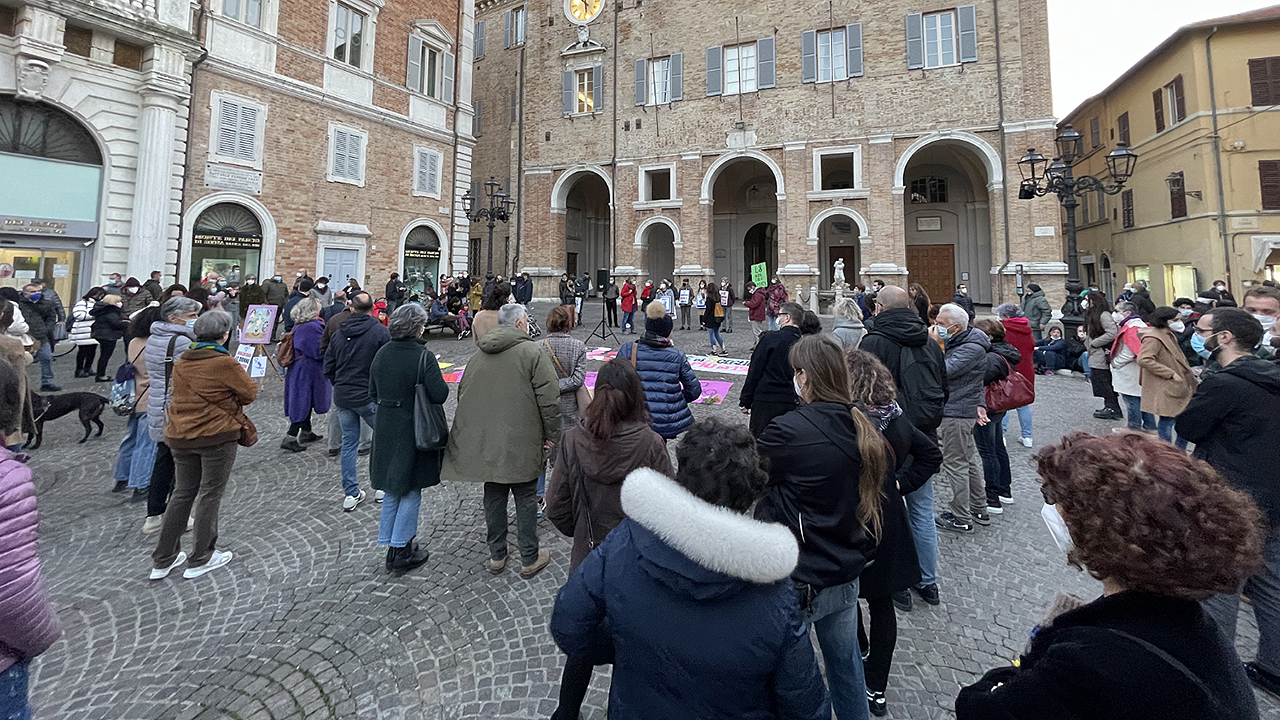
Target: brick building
{"points": [[331, 137], [658, 141]]}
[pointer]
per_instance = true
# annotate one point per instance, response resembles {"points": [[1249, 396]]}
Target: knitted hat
{"points": [[657, 321], [1033, 287]]}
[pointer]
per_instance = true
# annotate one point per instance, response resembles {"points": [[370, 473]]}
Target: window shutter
{"points": [[715, 76], [515, 106], [1179, 101], [506, 31], [1122, 127], [433, 173], [1178, 199], [967, 18], [246, 142], [253, 12], [809, 56], [228, 125], [479, 39], [1126, 208], [766, 64], [413, 75], [641, 82], [1269, 172], [420, 177], [597, 73], [1157, 97], [566, 91], [477, 119], [447, 95], [676, 77], [1102, 205], [915, 41], [339, 153], [354, 148], [1259, 83], [853, 39]]}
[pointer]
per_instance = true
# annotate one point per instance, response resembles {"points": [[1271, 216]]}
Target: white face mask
{"points": [[943, 332], [1267, 321], [1118, 317], [1177, 326], [191, 323], [795, 384], [1057, 528]]}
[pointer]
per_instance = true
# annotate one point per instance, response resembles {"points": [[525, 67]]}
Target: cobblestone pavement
{"points": [[304, 623]]}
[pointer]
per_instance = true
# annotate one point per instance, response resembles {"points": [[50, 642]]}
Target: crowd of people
{"points": [[701, 580]]}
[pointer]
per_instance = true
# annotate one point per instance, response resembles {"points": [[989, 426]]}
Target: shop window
{"points": [[421, 259], [225, 236]]}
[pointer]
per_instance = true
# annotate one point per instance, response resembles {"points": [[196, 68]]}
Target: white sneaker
{"points": [[350, 502], [1006, 500], [1065, 371], [162, 573], [1026, 442], [378, 495], [217, 560], [152, 524], [191, 523]]}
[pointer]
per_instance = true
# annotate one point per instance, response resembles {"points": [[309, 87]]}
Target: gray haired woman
{"points": [[849, 329], [170, 337]]}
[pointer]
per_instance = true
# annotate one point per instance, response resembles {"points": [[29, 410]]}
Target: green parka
{"points": [[508, 409], [397, 466]]}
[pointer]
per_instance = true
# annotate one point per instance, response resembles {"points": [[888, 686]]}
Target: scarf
{"points": [[882, 415], [654, 340], [209, 346], [1129, 336]]}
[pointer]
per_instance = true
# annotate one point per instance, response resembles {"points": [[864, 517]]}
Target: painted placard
{"points": [[714, 392], [760, 274], [259, 321], [258, 367]]}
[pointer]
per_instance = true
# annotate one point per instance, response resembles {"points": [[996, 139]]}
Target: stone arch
{"points": [[266, 262], [990, 158], [642, 242], [564, 183], [713, 172], [864, 231], [441, 238]]}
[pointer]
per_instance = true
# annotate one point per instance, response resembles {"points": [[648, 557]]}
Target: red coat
{"points": [[628, 295], [1017, 332], [647, 293], [755, 305]]}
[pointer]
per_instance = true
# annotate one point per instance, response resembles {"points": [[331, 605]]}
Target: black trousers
{"points": [[611, 312], [161, 481], [576, 680], [84, 358], [106, 348], [763, 413], [1100, 378], [881, 642]]}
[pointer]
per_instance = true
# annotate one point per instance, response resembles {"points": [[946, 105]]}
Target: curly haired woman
{"points": [[1162, 532]]}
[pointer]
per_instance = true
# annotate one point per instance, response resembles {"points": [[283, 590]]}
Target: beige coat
{"points": [[141, 382], [12, 352], [1166, 378]]}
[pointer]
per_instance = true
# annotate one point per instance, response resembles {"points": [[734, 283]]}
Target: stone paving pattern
{"points": [[305, 623]]}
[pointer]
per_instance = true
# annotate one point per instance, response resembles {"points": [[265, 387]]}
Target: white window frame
{"points": [[363, 136], [215, 124], [369, 8], [430, 44], [583, 99], [939, 40], [519, 20], [740, 73], [858, 190], [242, 8], [418, 152], [836, 63], [658, 81], [644, 187]]}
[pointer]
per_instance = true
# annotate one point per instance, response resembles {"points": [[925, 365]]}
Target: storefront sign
{"points": [[14, 225], [431, 254], [224, 240], [227, 177]]}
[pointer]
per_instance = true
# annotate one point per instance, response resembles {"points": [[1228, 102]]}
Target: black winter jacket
{"points": [[996, 370], [1234, 420], [769, 377], [1129, 655], [891, 331], [349, 357], [523, 290], [40, 316], [813, 489], [108, 322]]}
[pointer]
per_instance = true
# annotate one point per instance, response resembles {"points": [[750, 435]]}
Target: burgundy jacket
{"points": [[27, 623]]}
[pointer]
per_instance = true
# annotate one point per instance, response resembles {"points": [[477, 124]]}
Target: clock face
{"points": [[584, 11]]}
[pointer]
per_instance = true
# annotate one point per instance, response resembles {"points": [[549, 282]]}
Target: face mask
{"points": [[221, 283], [795, 384], [1185, 312], [943, 332], [1266, 320], [35, 297], [1128, 288], [1177, 326], [1219, 288], [1057, 528], [1197, 344], [191, 323], [299, 274], [322, 286], [1118, 317], [249, 282], [276, 278], [1215, 347], [964, 291], [115, 281]]}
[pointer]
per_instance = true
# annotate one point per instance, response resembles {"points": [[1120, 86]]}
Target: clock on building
{"points": [[583, 11]]}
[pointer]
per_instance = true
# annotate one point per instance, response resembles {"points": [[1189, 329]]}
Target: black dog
{"points": [[52, 407]]}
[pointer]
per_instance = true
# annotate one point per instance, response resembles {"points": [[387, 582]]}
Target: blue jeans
{"points": [[44, 354], [13, 692], [1264, 590], [1137, 419], [1084, 364], [137, 453], [834, 615], [713, 335], [1165, 428], [1024, 421], [628, 321], [924, 531], [772, 321], [399, 522], [350, 418]]}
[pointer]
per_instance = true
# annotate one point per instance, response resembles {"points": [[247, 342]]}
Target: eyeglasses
{"points": [[1203, 331]]}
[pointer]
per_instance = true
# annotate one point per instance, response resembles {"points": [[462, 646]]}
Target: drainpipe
{"points": [[515, 262], [186, 152], [613, 161], [1217, 160], [1004, 155]]}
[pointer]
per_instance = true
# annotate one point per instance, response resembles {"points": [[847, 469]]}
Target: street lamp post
{"points": [[1041, 177], [499, 210]]}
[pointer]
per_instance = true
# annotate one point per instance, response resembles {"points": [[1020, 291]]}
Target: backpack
{"points": [[124, 395], [718, 310], [284, 351], [921, 394]]}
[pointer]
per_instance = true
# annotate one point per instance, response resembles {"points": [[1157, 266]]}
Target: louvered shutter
{"points": [[477, 119], [506, 30], [675, 77], [479, 39], [339, 153], [641, 82], [246, 140], [354, 151], [766, 64], [853, 38], [447, 95], [1157, 98], [433, 173], [413, 73], [915, 41], [1264, 81], [420, 177], [1122, 128], [228, 127], [715, 75], [968, 20], [1179, 101], [809, 56], [1269, 173], [597, 77], [566, 91], [1178, 198]]}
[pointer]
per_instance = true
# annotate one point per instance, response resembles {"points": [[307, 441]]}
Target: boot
{"points": [[409, 557], [391, 557], [291, 444], [306, 436]]}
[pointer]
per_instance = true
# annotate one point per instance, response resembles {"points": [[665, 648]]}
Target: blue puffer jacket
{"points": [[669, 382], [696, 604]]}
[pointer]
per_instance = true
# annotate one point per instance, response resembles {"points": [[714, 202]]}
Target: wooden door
{"points": [[934, 267]]}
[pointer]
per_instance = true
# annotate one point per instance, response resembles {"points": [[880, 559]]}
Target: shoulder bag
{"points": [[582, 394], [1011, 393], [430, 427]]}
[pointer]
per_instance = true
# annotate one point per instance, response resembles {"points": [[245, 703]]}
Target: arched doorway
{"points": [[421, 259], [948, 219], [50, 194], [744, 210], [839, 238], [226, 239], [657, 236], [586, 228]]}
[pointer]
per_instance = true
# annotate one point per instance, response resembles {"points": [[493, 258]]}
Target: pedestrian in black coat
{"points": [[108, 327], [767, 391]]}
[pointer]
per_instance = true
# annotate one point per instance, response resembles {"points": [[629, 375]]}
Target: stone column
{"points": [[164, 88]]}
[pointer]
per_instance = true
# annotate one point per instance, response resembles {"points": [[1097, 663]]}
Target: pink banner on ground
{"points": [[603, 354], [713, 391], [455, 376], [723, 365]]}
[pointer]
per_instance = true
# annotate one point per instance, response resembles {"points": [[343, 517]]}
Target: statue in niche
{"points": [[837, 275]]}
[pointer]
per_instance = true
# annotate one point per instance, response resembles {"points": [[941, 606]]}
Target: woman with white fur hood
{"points": [[693, 596]]}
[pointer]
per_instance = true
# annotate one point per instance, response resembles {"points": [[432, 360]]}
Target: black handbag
{"points": [[430, 428]]}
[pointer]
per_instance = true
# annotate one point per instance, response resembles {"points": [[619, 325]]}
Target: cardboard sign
{"points": [[602, 354], [258, 367], [724, 298], [760, 274], [244, 354], [701, 301], [684, 296]]}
